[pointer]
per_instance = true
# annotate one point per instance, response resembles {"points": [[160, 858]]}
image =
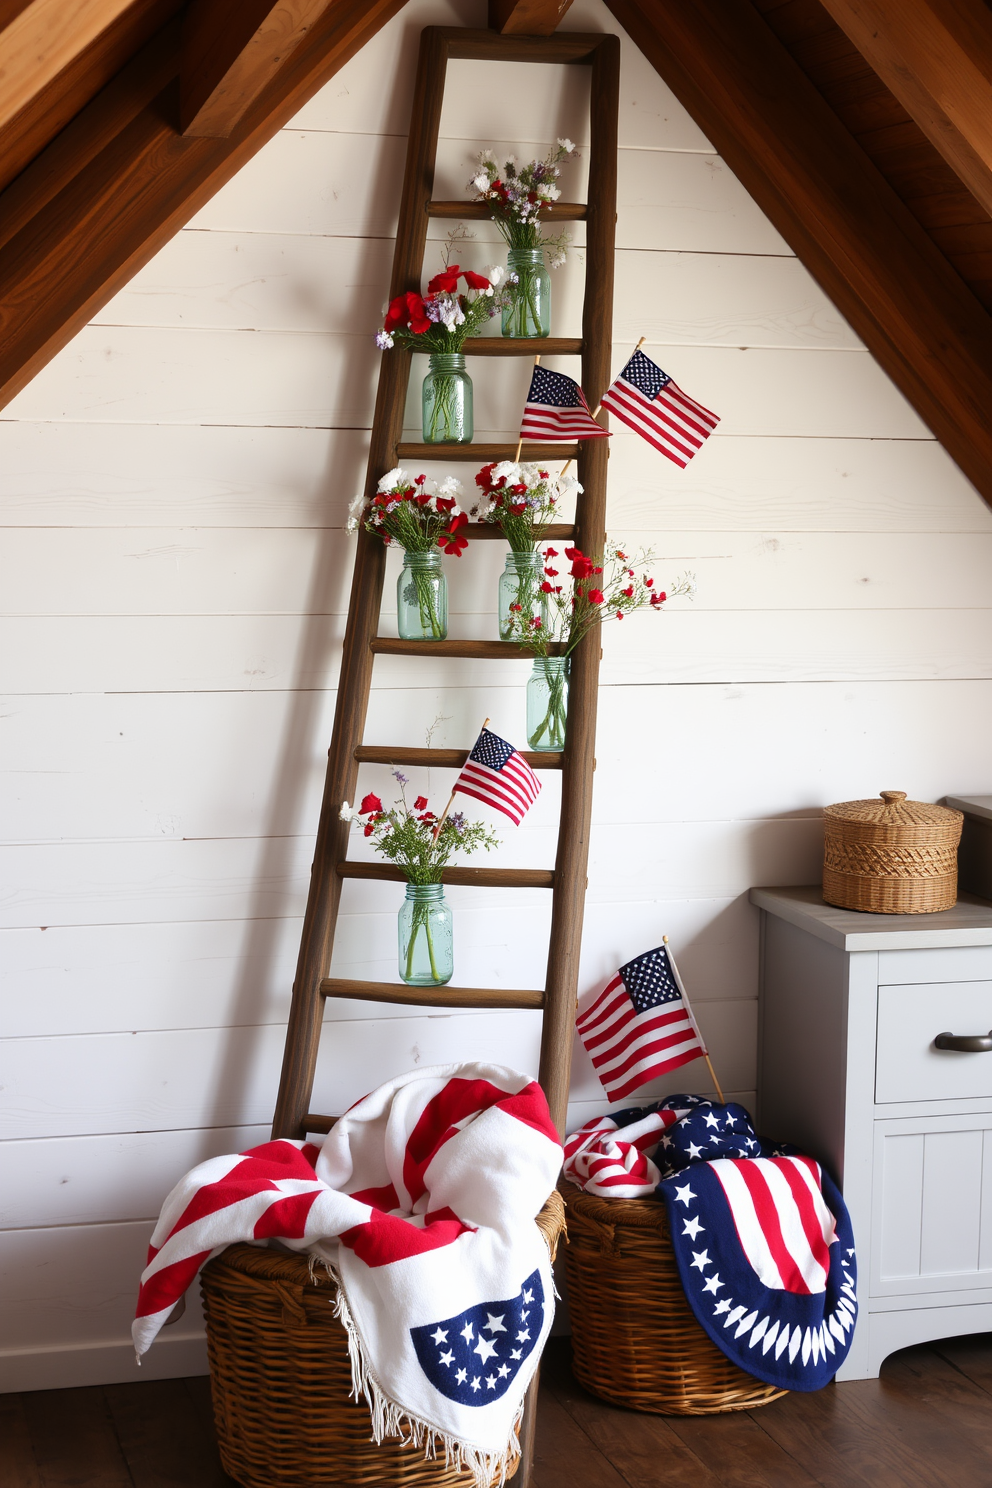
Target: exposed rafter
{"points": [[526, 17], [935, 56], [833, 206], [121, 180], [231, 49]]}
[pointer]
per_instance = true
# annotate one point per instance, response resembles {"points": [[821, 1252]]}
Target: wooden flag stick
{"points": [[597, 409], [685, 999], [444, 813], [520, 441]]}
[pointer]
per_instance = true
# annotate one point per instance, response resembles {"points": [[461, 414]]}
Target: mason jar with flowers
{"points": [[593, 591], [522, 500], [425, 523], [414, 839], [439, 322], [517, 197]]}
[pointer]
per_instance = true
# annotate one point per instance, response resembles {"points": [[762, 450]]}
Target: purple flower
{"points": [[401, 778], [457, 820]]}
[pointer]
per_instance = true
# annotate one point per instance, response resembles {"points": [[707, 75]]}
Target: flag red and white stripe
{"points": [[785, 1228], [648, 401], [640, 1026], [556, 411], [498, 775]]}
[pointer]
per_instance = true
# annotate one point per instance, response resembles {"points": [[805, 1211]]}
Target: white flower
{"points": [[567, 145], [567, 484], [347, 813], [489, 293], [394, 478], [494, 273], [383, 340], [450, 486], [480, 182], [557, 258], [505, 470]]}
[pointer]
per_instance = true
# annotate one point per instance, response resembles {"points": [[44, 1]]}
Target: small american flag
{"points": [[556, 411], [640, 1026], [495, 773], [649, 402]]}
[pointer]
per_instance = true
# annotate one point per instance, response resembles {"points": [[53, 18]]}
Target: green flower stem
{"points": [[442, 415], [553, 722], [525, 316], [421, 917], [424, 589]]}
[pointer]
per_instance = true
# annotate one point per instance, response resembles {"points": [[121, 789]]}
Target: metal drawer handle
{"points": [[965, 1043]]}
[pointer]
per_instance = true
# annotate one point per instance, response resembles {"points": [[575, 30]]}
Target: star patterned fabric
{"points": [[474, 1357]]}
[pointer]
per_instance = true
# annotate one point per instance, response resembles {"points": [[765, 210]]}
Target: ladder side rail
{"points": [[572, 860], [355, 679]]}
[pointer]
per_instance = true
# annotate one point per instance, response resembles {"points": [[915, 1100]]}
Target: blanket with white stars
{"points": [[761, 1234], [422, 1200]]}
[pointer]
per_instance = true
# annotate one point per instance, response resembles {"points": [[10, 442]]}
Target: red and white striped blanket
{"points": [[422, 1199]]}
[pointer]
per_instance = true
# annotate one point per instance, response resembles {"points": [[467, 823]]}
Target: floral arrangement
{"points": [[522, 500], [443, 318], [421, 844], [518, 195], [409, 512], [592, 592]]}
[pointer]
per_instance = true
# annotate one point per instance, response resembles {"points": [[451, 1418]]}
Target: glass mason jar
{"points": [[425, 940], [422, 597], [547, 702], [529, 313], [520, 596], [447, 400]]}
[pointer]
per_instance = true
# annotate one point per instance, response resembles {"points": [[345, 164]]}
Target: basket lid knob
{"points": [[892, 798]]}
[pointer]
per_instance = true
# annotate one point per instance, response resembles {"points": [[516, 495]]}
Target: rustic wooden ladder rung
{"points": [[362, 643]]}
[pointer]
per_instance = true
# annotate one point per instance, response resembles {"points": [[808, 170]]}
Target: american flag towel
{"points": [[648, 401], [761, 1234], [497, 774], [556, 411], [422, 1199]]}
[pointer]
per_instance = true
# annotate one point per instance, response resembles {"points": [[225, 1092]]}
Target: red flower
{"points": [[418, 317], [582, 566], [619, 614], [552, 573], [551, 552], [370, 804], [458, 520], [420, 803], [396, 314], [595, 596], [516, 607], [452, 545], [369, 829], [445, 503], [657, 600], [535, 621], [428, 816], [621, 556], [629, 592], [518, 507], [483, 478], [543, 474], [649, 583], [475, 281], [446, 282], [547, 588]]}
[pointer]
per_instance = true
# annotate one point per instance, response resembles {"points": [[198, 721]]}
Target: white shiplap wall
{"points": [[174, 580]]}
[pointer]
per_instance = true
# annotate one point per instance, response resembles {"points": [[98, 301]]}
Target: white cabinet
{"points": [[850, 1007]]}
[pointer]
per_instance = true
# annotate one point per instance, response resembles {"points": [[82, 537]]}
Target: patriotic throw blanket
{"points": [[762, 1237], [422, 1199]]}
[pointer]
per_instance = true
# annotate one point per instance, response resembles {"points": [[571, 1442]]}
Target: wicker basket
{"points": [[891, 856], [281, 1378], [635, 1341]]}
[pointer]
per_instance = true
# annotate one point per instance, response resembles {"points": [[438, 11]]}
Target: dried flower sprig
{"points": [[405, 834], [517, 195]]}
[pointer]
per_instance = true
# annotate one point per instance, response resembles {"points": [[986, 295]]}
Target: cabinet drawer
{"points": [[944, 964], [907, 1066]]}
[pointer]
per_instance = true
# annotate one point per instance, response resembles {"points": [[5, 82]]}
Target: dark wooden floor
{"points": [[927, 1423]]}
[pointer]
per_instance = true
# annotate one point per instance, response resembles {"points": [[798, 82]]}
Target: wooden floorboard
{"points": [[924, 1424]]}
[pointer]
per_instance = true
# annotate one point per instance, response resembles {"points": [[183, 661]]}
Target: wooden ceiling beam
{"points": [[231, 49], [526, 17], [935, 57], [76, 248], [834, 208], [42, 39]]}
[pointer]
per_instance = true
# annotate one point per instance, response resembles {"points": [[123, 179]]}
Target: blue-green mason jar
{"points": [[529, 312], [547, 702], [520, 599], [425, 938], [422, 597], [447, 412]]}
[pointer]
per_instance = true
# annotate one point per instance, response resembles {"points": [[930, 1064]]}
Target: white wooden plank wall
{"points": [[173, 580]]}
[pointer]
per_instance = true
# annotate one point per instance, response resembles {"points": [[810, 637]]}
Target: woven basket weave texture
{"points": [[635, 1341], [890, 855], [280, 1378]]}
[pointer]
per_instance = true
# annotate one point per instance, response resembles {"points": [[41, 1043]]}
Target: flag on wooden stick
{"points": [[640, 1026], [648, 401], [556, 411], [497, 774]]}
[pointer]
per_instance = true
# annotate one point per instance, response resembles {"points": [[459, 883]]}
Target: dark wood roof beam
{"points": [[526, 17], [935, 57]]}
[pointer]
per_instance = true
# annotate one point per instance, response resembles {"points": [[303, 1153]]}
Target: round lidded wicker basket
{"points": [[890, 855], [635, 1341], [280, 1377]]}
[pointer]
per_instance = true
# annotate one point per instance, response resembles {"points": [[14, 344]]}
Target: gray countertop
{"points": [[969, 923]]}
